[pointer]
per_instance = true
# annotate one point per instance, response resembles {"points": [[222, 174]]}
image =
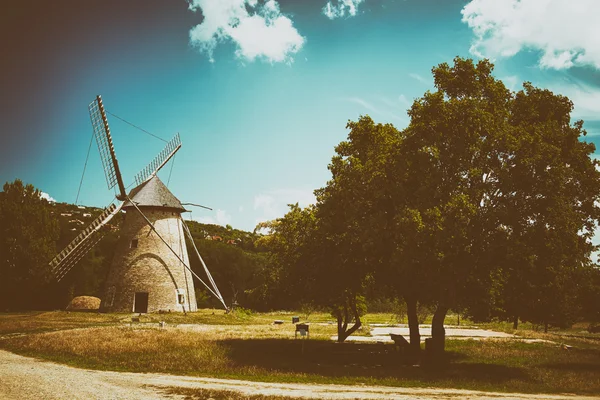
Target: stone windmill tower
{"points": [[150, 271]]}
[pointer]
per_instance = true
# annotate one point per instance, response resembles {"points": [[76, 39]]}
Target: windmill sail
{"points": [[159, 161], [82, 244], [105, 146]]}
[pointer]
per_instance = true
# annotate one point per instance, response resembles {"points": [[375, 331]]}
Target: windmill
{"points": [[150, 271]]}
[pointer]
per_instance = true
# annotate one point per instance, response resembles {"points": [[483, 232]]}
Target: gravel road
{"points": [[26, 378]]}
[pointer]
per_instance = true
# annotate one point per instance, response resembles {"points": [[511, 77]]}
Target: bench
{"points": [[303, 329], [400, 343]]}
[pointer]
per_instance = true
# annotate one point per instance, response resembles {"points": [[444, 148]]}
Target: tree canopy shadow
{"points": [[573, 366], [357, 360]]}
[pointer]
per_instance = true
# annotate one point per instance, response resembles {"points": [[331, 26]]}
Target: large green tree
{"points": [[548, 207], [505, 191], [355, 210], [452, 151], [311, 263]]}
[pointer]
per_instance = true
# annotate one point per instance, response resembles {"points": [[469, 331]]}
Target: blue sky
{"points": [[260, 91]]}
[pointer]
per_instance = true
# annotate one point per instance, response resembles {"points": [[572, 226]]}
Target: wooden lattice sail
{"points": [[82, 244]]}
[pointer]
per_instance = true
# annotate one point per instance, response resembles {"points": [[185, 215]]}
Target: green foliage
{"points": [[204, 299], [400, 312], [236, 271], [502, 202], [28, 232], [291, 274], [485, 203], [306, 308], [424, 312], [242, 312], [241, 239], [589, 295]]}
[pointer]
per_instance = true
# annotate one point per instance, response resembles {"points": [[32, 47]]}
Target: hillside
{"points": [[225, 234], [74, 218]]}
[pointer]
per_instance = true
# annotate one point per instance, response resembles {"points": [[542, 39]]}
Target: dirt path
{"points": [[27, 378]]}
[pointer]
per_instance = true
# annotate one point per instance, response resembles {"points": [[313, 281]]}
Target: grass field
{"points": [[206, 394], [250, 347]]}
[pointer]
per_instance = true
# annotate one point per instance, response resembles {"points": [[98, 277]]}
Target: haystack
{"points": [[84, 303]]}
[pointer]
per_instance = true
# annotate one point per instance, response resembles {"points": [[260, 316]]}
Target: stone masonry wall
{"points": [[150, 267]]}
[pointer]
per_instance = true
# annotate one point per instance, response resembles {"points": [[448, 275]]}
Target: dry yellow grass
{"points": [[255, 331], [578, 339], [269, 353], [177, 349], [129, 348], [207, 394], [55, 320], [252, 347]]}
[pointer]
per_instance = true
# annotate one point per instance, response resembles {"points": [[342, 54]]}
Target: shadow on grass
{"points": [[576, 360], [356, 360], [573, 366]]}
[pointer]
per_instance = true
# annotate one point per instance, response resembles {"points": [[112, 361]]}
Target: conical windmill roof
{"points": [[153, 193]]}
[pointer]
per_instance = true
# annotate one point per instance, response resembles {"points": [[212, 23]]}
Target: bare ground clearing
{"points": [[29, 378]]}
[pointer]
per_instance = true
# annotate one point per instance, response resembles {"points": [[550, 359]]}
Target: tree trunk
{"points": [[458, 319], [515, 322], [413, 325], [343, 318], [438, 332], [545, 327]]}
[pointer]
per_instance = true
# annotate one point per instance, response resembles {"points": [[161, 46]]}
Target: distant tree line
{"points": [[33, 230]]}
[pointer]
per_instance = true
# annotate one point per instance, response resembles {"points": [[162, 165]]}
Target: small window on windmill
{"points": [[134, 243], [180, 296]]}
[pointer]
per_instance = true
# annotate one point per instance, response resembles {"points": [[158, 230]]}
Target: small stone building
{"points": [[145, 275]]}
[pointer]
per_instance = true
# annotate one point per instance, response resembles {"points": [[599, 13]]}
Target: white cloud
{"points": [[586, 99], [341, 8], [397, 103], [565, 31], [419, 78], [510, 81], [256, 27], [386, 110], [267, 205], [403, 100], [221, 218], [272, 204], [46, 196], [363, 103]]}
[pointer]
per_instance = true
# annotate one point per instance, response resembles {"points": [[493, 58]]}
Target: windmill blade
{"points": [[159, 161], [82, 244], [105, 146]]}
